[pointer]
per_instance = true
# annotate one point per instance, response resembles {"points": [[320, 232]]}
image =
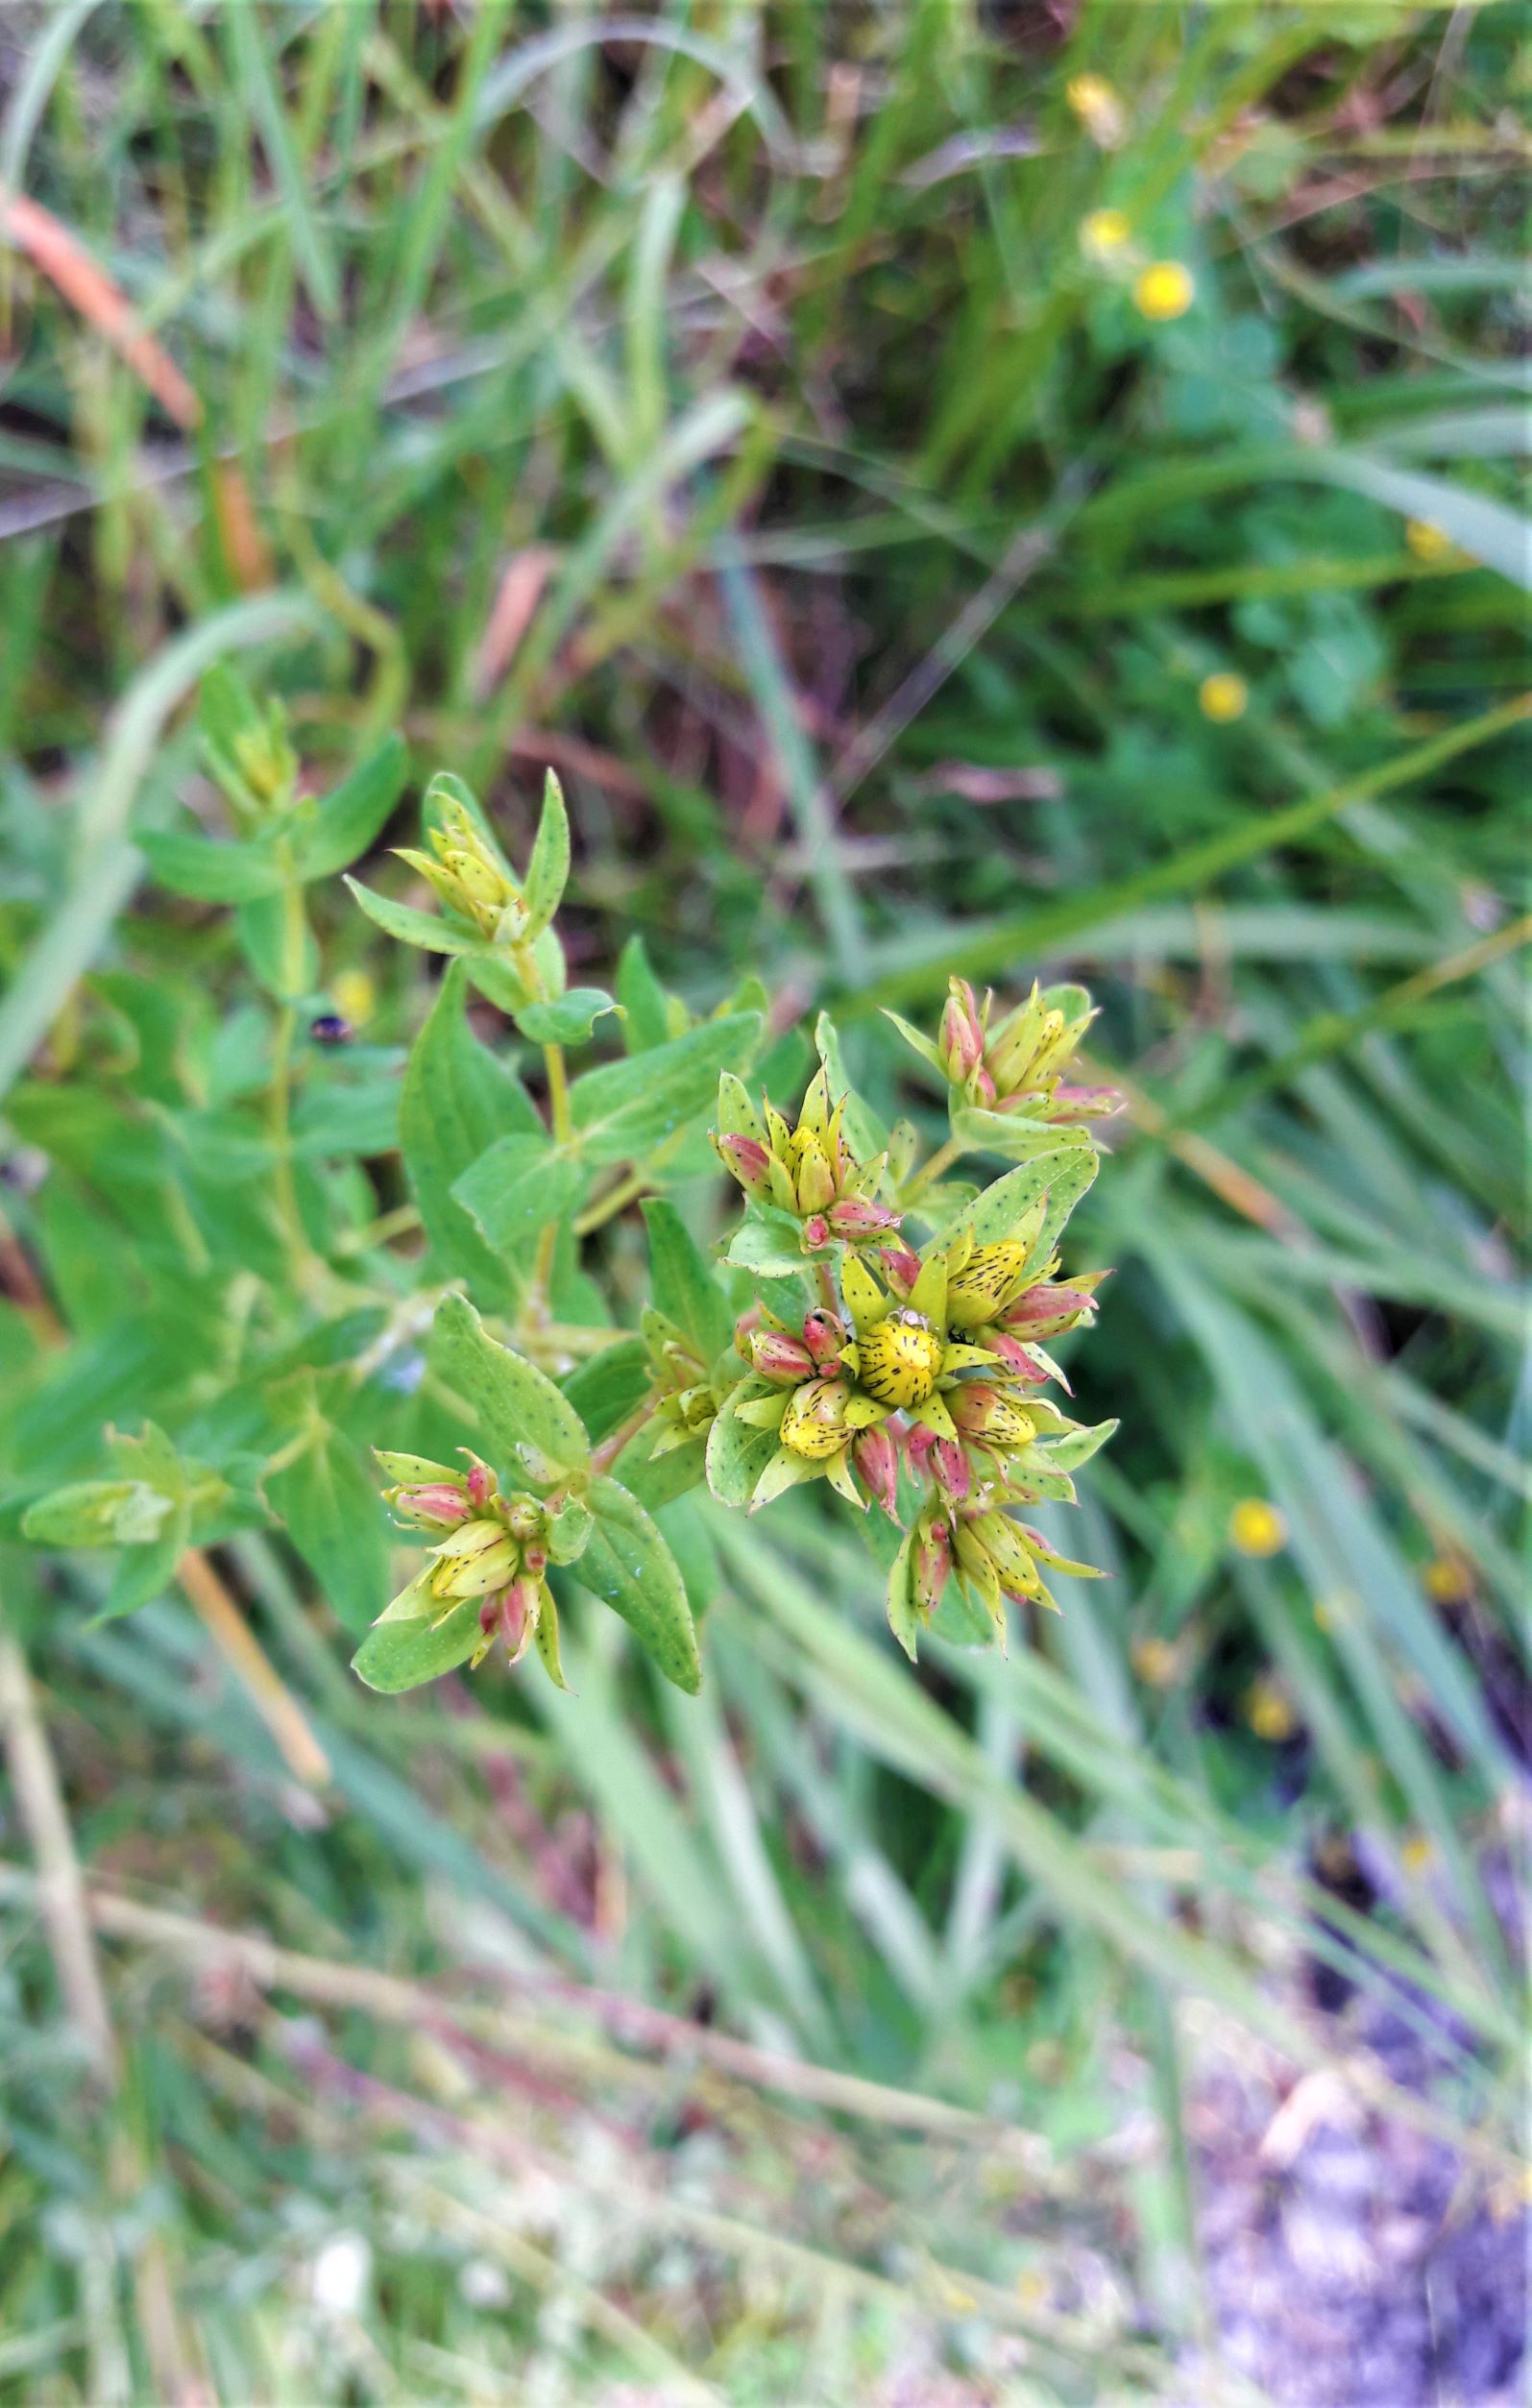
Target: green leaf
{"points": [[396, 1656], [455, 1103], [770, 1243], [738, 1452], [682, 1285], [144, 1572], [625, 1108], [517, 1187], [643, 998], [332, 1513], [196, 866], [904, 1616], [610, 1386], [1010, 1134], [925, 1046], [523, 1416], [569, 1021], [549, 869], [1061, 1175], [629, 1566], [1068, 1453], [346, 822], [412, 927]]}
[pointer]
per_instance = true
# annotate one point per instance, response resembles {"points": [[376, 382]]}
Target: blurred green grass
{"points": [[722, 404]]}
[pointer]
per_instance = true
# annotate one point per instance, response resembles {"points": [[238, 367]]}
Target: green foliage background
{"points": [[725, 407]]}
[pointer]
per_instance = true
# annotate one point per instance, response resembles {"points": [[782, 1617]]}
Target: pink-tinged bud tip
{"points": [[856, 1217], [749, 1161], [775, 1356], [823, 1336], [481, 1483], [901, 1265], [949, 1461], [877, 1459], [436, 1505], [933, 1562], [815, 1232], [961, 1044]]}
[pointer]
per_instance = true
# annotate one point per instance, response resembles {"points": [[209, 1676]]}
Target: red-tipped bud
{"points": [[775, 1356], [954, 1473], [856, 1217], [481, 1483], [918, 1445], [1083, 1102], [1043, 1311], [434, 1505], [961, 1044], [749, 1162], [1016, 1359], [902, 1266], [824, 1335], [931, 1563], [983, 1088], [815, 1232], [877, 1459]]}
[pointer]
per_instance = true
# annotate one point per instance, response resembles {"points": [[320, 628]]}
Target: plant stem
{"points": [[279, 1711], [608, 1449], [616, 1199], [558, 1094], [941, 1160]]}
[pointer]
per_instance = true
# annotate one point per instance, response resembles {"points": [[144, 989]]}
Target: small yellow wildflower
{"points": [[1255, 1527], [1164, 290], [355, 997], [1098, 110], [1105, 233], [1268, 1710], [1416, 1853], [1155, 1661], [1427, 541], [1446, 1580], [1222, 696]]}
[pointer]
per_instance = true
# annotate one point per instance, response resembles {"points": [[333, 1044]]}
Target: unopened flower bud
{"points": [[439, 1505], [824, 1335], [816, 1180], [814, 1425], [877, 1459], [977, 1294], [961, 1044], [949, 1462], [931, 1564], [524, 1517], [474, 1559], [1045, 1310], [987, 1413], [747, 1159], [857, 1217], [815, 1234], [777, 1355], [481, 1483]]}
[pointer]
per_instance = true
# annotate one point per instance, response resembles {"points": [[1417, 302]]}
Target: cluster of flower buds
{"points": [[826, 1426], [685, 1405], [807, 1168], [1017, 1064], [491, 1553], [469, 876]]}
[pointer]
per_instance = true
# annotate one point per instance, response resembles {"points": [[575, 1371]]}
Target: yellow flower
{"points": [[1267, 1710], [1446, 1580], [1255, 1527], [1164, 290], [1098, 110], [1155, 1661], [1416, 1853], [1222, 696], [355, 997], [1427, 541], [1105, 233]]}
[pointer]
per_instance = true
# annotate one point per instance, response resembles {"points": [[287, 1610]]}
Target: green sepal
{"points": [[548, 870]]}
